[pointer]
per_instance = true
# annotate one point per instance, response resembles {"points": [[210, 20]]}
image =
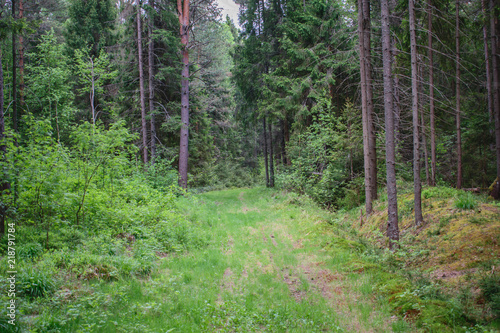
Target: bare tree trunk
{"points": [[14, 72], [431, 95], [417, 186], [141, 87], [364, 109], [265, 151], [457, 97], [183, 10], [496, 77], [286, 135], [151, 85], [21, 58], [392, 221], [487, 61], [4, 184], [271, 155], [369, 99]]}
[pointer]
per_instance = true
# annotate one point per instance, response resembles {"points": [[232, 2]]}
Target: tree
{"points": [[495, 59], [90, 25], [392, 221], [457, 95], [151, 81], [92, 74], [183, 13], [431, 93], [141, 86], [416, 137], [369, 145]]}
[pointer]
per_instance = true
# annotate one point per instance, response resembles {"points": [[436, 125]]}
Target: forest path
{"points": [[264, 271]]}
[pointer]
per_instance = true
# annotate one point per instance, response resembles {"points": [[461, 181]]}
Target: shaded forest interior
{"points": [[112, 110]]}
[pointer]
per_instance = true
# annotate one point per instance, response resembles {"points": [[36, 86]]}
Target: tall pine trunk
{"points": [[487, 62], [141, 87], [417, 186], [271, 155], [457, 96], [183, 11], [14, 72], [266, 165], [392, 221], [495, 59], [151, 85], [364, 108], [21, 58], [3, 185], [432, 120]]}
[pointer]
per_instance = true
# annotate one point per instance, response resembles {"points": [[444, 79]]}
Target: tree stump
{"points": [[495, 189]]}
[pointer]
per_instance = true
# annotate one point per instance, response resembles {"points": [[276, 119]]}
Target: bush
{"points": [[490, 286], [30, 251], [34, 283], [466, 201]]}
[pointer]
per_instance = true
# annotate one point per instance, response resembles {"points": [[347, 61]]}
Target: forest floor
{"points": [[274, 261], [265, 270]]}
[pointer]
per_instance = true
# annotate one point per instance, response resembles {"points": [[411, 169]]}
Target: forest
{"points": [[314, 166]]}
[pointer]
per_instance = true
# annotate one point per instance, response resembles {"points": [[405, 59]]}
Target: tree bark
{"points": [[21, 58], [364, 109], [14, 72], [4, 185], [431, 94], [271, 155], [151, 86], [495, 59], [417, 186], [372, 145], [141, 87], [392, 221], [265, 151], [457, 96], [183, 10], [487, 62]]}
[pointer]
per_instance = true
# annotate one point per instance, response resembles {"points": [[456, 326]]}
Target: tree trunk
{"points": [[21, 58], [417, 187], [4, 185], [372, 145], [151, 86], [487, 61], [431, 95], [141, 87], [495, 59], [364, 109], [457, 97], [14, 72], [392, 221], [286, 136], [183, 10], [271, 155], [265, 151]]}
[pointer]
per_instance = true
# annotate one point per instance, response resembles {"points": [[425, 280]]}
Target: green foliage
{"points": [[34, 283], [490, 287], [466, 201]]}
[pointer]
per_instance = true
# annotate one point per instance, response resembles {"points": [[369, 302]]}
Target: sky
{"points": [[229, 8]]}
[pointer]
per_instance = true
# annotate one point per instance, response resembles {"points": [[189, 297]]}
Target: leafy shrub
{"points": [[490, 286], [441, 192], [35, 283], [29, 251], [466, 201]]}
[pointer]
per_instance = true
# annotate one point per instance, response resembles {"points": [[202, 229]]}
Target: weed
{"points": [[490, 286], [466, 201], [34, 283]]}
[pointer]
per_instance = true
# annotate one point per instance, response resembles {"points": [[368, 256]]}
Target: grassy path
{"points": [[264, 270]]}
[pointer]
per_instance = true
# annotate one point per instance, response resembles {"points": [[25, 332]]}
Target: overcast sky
{"points": [[229, 8]]}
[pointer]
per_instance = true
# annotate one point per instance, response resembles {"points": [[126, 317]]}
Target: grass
{"points": [[270, 265]]}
